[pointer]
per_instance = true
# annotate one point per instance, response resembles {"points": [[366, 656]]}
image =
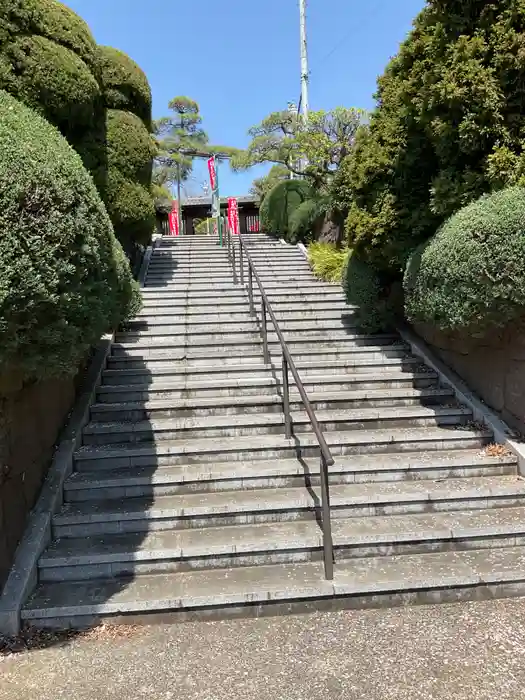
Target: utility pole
{"points": [[305, 76], [179, 213]]}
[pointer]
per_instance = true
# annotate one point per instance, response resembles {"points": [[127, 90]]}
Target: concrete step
{"points": [[180, 369], [340, 326], [169, 317], [301, 347], [353, 442], [180, 307], [384, 377], [320, 352], [236, 341], [447, 576], [144, 482], [223, 508], [191, 428], [208, 297], [172, 551], [268, 403]]}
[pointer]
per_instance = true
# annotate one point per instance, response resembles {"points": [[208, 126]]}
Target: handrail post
{"points": [[286, 400], [250, 289], [241, 261], [234, 265], [264, 333], [328, 545]]}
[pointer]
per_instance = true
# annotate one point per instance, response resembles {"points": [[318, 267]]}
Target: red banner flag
{"points": [[213, 174], [173, 218], [233, 215]]}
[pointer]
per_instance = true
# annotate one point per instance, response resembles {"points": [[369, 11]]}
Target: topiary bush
{"points": [[280, 203], [131, 208], [48, 61], [130, 147], [128, 195], [448, 127], [471, 274], [50, 19], [125, 85], [64, 279], [306, 221], [328, 261], [365, 288]]}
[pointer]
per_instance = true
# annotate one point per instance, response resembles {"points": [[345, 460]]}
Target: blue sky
{"points": [[239, 59]]}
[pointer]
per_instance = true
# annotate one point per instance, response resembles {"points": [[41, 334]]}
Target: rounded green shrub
{"points": [[132, 210], [280, 203], [365, 289], [125, 85], [130, 147], [53, 80], [64, 279], [50, 19], [471, 274], [306, 219]]}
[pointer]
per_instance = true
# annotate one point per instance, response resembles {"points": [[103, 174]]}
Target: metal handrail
{"points": [[288, 364]]}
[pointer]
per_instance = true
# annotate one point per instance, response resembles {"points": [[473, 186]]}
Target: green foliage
{"points": [[285, 139], [364, 288], [52, 80], [125, 85], [50, 19], [203, 227], [471, 274], [328, 261], [279, 205], [132, 210], [306, 219], [263, 185], [47, 60], [130, 147], [64, 279], [449, 127]]}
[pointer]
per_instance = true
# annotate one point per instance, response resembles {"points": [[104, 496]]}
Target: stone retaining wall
{"points": [[30, 422], [492, 366]]}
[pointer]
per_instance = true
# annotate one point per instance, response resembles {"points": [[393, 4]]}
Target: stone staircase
{"points": [[187, 498]]}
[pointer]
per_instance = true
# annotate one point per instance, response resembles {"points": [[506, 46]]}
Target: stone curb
{"points": [[22, 578], [481, 412]]}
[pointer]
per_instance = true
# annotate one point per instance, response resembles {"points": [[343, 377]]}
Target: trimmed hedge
{"points": [[131, 208], [52, 80], [50, 19], [471, 274], [130, 147], [64, 279], [48, 61], [280, 203], [366, 289], [448, 127], [306, 219], [125, 85]]}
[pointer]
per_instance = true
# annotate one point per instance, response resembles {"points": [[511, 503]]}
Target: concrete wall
{"points": [[31, 419], [492, 366]]}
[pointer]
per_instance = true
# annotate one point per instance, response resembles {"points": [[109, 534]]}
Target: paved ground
{"points": [[448, 652]]}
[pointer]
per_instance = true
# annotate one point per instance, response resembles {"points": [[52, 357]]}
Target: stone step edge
{"points": [[295, 536], [291, 499], [270, 584], [273, 399], [256, 442], [359, 415], [228, 471]]}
